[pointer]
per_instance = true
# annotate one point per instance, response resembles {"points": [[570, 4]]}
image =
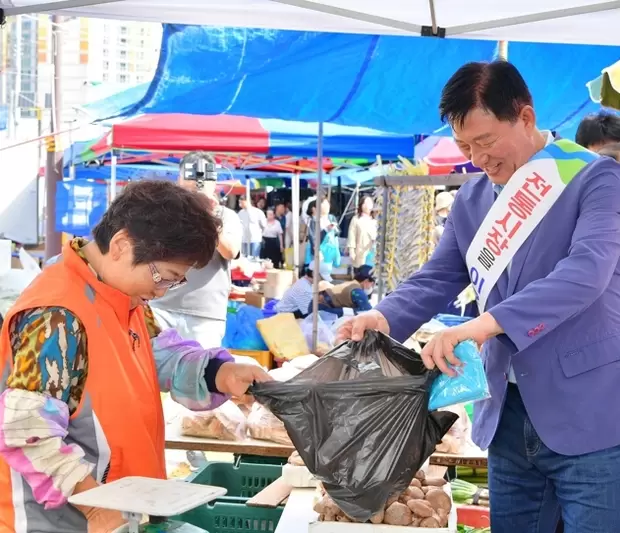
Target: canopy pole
{"points": [[53, 163], [295, 187], [317, 241], [502, 50], [113, 176]]}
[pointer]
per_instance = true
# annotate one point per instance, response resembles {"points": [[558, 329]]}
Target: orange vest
{"points": [[119, 422]]}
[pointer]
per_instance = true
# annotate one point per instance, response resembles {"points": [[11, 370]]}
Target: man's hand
{"points": [[354, 328], [439, 352], [236, 379]]}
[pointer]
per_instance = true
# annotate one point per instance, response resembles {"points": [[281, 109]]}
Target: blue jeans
{"points": [[531, 487], [251, 249]]}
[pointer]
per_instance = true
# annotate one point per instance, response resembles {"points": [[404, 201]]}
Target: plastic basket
{"points": [[264, 357], [473, 516], [242, 480], [261, 460], [233, 517]]}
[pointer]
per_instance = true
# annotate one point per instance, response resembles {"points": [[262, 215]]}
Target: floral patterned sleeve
{"points": [[44, 389]]}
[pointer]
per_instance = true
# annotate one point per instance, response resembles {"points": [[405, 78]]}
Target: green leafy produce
{"points": [[468, 493]]}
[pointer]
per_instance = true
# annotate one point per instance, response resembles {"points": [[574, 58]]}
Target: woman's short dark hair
{"points": [[311, 205], [164, 221], [496, 87]]}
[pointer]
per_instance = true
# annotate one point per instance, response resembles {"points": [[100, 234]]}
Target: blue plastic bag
{"points": [[241, 331], [330, 249], [469, 385]]}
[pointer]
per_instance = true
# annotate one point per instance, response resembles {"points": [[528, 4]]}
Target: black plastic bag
{"points": [[359, 419]]}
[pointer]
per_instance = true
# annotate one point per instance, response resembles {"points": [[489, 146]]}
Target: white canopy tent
{"points": [[560, 21]]}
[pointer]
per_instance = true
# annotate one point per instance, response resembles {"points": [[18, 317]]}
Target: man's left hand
{"points": [[439, 352], [236, 379]]}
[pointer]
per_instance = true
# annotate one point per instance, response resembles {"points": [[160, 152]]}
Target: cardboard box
{"points": [[255, 299], [348, 527], [277, 283]]}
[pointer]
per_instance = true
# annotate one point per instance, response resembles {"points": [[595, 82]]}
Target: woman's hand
{"points": [[236, 379]]}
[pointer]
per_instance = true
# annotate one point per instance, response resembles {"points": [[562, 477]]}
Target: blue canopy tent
{"points": [[388, 83]]}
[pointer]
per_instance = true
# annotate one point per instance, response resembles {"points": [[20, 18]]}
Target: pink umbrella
{"points": [[444, 156]]}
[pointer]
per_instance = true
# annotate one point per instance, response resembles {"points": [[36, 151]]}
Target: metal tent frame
{"points": [[434, 29]]}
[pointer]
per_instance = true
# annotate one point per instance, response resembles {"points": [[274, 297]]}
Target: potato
{"points": [[429, 523], [420, 508], [330, 517], [439, 499], [411, 493], [378, 518], [342, 518], [393, 498], [416, 493], [426, 490], [319, 506], [415, 483], [420, 475], [321, 518], [398, 514], [442, 517], [415, 522], [435, 481]]}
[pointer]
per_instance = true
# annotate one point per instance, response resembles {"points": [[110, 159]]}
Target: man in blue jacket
{"points": [[539, 238]]}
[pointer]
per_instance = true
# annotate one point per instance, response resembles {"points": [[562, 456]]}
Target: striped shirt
{"points": [[297, 298]]}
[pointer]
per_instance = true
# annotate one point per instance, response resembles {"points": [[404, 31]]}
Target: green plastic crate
{"points": [[241, 481], [233, 517]]}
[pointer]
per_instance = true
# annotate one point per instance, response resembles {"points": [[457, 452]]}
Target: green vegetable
{"points": [[468, 529], [465, 492]]}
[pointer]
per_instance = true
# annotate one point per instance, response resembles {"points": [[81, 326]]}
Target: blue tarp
{"points": [[384, 82]]}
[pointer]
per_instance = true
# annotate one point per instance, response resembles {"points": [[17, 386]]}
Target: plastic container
{"points": [[261, 460], [242, 480], [264, 357], [473, 516], [233, 517]]}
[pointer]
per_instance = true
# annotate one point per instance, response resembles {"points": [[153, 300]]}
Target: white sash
{"points": [[523, 203]]}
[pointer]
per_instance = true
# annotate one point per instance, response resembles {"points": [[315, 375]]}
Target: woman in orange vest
{"points": [[82, 361]]}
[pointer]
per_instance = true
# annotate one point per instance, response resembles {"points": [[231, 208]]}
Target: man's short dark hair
{"points": [[497, 87], [164, 221], [598, 128]]}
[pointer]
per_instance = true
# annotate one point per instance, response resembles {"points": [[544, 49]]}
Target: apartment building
{"points": [[99, 57]]}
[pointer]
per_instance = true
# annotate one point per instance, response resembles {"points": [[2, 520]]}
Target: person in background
{"points": [[597, 130], [253, 222], [261, 204], [273, 240], [351, 297], [549, 325], [329, 224], [83, 361], [298, 298], [611, 150], [443, 205], [362, 235], [197, 310], [280, 212]]}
